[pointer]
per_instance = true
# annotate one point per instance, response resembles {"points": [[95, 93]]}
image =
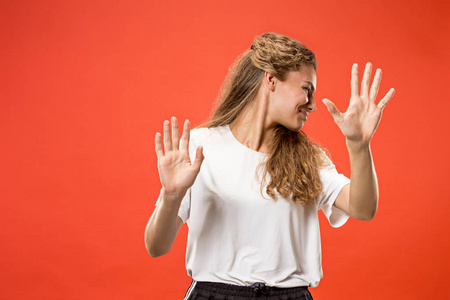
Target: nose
{"points": [[311, 104]]}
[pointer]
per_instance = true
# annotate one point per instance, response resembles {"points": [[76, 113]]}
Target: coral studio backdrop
{"points": [[85, 85]]}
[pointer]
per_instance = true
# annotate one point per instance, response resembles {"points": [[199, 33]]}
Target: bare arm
{"points": [[163, 227], [177, 175], [359, 199], [358, 124]]}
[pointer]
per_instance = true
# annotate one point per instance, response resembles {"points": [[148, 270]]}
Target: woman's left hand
{"points": [[362, 117]]}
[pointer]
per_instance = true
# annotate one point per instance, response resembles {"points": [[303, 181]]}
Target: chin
{"points": [[295, 128]]}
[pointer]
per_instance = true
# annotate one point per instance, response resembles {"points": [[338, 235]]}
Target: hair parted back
{"points": [[294, 161]]}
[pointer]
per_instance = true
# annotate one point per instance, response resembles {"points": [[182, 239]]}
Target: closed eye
{"points": [[309, 93]]}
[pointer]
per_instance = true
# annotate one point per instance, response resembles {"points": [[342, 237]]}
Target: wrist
{"points": [[173, 197], [357, 145]]}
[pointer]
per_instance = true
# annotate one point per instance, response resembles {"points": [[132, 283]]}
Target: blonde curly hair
{"points": [[294, 161]]}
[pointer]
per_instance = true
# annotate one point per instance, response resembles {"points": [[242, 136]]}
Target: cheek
{"points": [[289, 99], [290, 96]]}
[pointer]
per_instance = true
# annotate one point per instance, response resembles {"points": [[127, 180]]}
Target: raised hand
{"points": [[176, 172], [362, 117]]}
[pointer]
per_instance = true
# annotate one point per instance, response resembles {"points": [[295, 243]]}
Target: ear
{"points": [[269, 81]]}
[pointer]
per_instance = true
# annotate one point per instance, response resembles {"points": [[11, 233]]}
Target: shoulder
{"points": [[328, 172], [204, 135], [326, 160], [327, 169]]}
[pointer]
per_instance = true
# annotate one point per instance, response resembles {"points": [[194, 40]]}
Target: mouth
{"points": [[303, 112]]}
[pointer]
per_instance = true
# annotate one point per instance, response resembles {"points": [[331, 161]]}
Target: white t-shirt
{"points": [[236, 236]]}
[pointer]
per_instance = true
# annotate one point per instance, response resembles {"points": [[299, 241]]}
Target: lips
{"points": [[305, 113]]}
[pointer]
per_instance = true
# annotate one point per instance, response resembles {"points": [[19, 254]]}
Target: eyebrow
{"points": [[312, 86]]}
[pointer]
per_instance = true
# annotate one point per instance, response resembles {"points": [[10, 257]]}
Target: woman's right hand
{"points": [[176, 172]]}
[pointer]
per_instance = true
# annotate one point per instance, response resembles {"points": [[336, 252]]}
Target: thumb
{"points": [[332, 109], [198, 158]]}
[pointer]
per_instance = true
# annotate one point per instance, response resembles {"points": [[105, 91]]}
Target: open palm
{"points": [[362, 117], [176, 172]]}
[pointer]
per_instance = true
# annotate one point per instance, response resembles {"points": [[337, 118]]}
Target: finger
{"points": [[354, 82], [198, 158], [386, 99], [365, 83], [167, 143], [158, 146], [175, 134], [375, 85], [186, 134], [332, 109]]}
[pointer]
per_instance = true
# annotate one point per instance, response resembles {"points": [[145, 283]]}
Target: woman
{"points": [[255, 184]]}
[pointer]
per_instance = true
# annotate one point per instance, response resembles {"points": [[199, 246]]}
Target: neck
{"points": [[252, 127]]}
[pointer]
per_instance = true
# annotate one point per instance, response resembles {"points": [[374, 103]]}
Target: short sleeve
{"points": [[185, 207], [332, 184]]}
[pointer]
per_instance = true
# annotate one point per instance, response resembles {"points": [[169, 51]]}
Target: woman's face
{"points": [[292, 99]]}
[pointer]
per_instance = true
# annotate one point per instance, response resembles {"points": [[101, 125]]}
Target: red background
{"points": [[86, 84]]}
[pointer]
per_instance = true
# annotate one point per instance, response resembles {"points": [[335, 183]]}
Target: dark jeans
{"points": [[221, 291]]}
